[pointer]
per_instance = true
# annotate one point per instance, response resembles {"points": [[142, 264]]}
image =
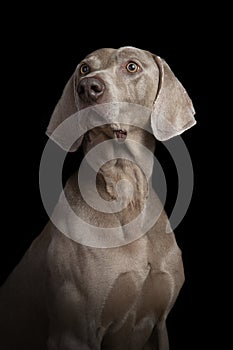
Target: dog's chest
{"points": [[122, 292], [130, 287]]}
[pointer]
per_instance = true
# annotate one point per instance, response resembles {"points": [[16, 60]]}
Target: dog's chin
{"points": [[106, 132], [119, 121], [116, 113]]}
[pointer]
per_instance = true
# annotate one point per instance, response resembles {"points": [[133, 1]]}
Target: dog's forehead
{"points": [[102, 57], [133, 52]]}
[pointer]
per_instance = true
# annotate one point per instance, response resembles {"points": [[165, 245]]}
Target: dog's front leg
{"points": [[67, 300], [65, 341], [69, 327], [163, 343], [158, 339]]}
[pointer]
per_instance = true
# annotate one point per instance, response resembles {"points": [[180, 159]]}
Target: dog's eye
{"points": [[84, 69], [132, 67]]}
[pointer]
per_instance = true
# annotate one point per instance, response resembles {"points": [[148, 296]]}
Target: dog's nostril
{"points": [[96, 87]]}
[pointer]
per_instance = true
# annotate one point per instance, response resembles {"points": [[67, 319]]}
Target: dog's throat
{"points": [[117, 170]]}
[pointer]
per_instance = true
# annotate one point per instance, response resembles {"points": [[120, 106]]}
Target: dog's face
{"points": [[117, 75], [125, 75]]}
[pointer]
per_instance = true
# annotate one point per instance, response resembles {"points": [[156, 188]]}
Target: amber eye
{"points": [[132, 67], [84, 69]]}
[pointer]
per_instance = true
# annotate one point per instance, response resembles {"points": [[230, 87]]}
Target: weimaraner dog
{"points": [[67, 295]]}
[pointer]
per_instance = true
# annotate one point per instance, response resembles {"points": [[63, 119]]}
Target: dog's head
{"points": [[127, 75]]}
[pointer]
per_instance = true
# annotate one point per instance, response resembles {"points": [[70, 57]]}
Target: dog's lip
{"points": [[120, 133]]}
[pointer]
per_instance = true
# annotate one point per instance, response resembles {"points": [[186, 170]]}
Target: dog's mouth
{"points": [[120, 134]]}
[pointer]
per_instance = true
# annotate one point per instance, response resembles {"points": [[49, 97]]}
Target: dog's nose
{"points": [[90, 89]]}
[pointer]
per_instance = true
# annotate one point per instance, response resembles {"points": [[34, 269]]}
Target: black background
{"points": [[41, 50]]}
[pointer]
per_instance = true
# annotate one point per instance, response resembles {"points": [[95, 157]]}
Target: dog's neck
{"points": [[122, 184], [122, 178]]}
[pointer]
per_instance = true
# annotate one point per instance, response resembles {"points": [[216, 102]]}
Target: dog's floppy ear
{"points": [[172, 111], [64, 109]]}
